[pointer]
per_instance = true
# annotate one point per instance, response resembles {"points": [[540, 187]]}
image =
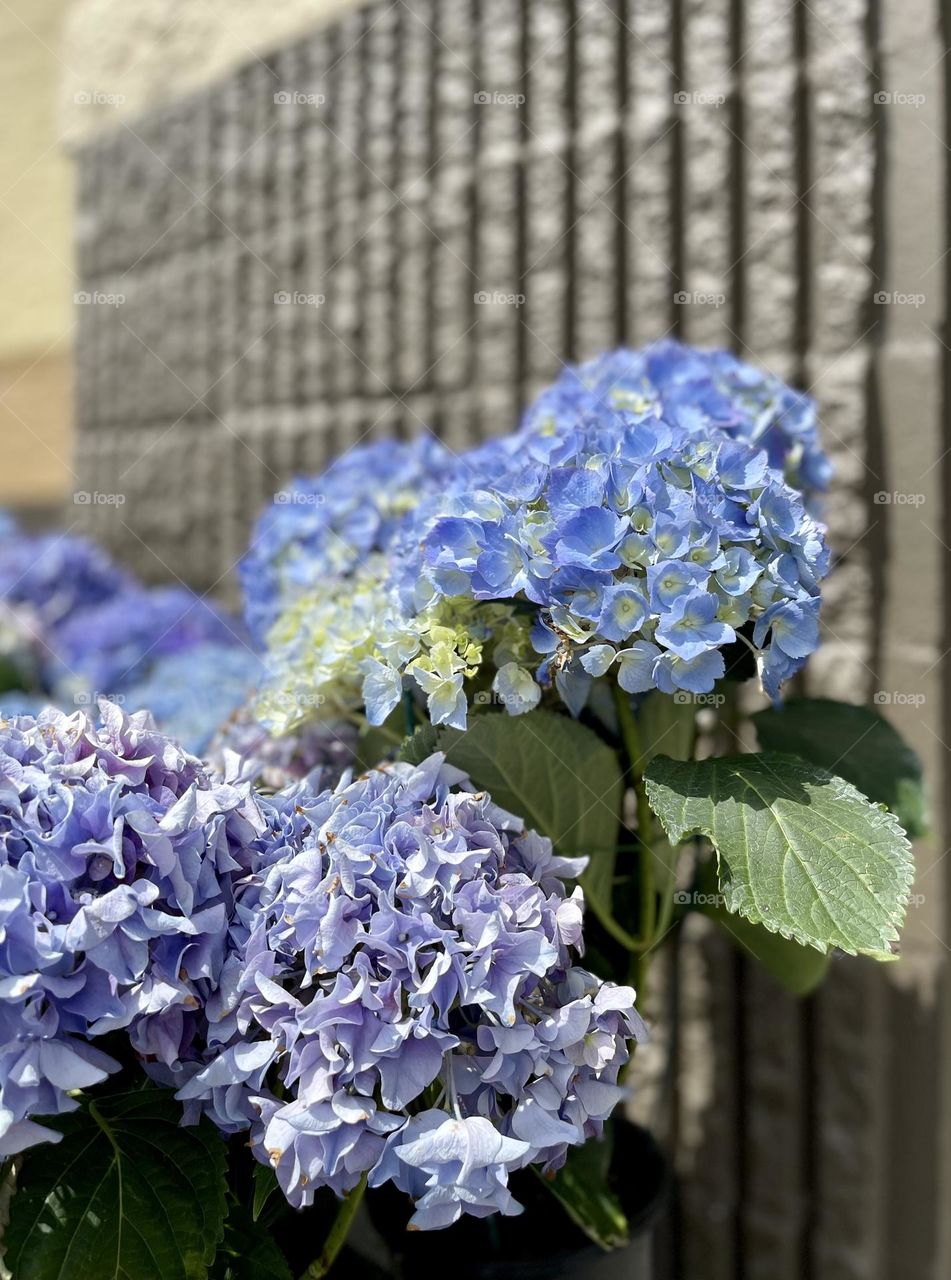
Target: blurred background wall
{"points": [[37, 317], [298, 225]]}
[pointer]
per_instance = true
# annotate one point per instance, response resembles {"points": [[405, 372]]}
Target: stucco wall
{"points": [[123, 58]]}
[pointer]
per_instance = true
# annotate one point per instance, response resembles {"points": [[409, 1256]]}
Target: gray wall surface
{"points": [[408, 221]]}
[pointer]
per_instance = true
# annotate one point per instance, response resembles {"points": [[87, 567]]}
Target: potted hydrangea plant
{"points": [[238, 1014]]}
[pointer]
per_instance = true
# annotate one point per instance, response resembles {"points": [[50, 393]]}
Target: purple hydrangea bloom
{"points": [[319, 751], [45, 579], [328, 524], [110, 645], [54, 575], [403, 999], [117, 862]]}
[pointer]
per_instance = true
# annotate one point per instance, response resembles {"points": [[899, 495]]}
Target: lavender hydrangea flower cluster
{"points": [[403, 1001], [700, 391], [117, 858], [53, 576], [45, 581], [115, 642], [319, 751], [73, 626], [326, 526]]}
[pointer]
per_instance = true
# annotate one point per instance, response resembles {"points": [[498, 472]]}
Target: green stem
{"points": [[408, 713], [645, 832], [361, 722], [338, 1233]]}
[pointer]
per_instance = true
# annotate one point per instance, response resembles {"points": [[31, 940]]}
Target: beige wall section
{"points": [[69, 68], [36, 279], [125, 57]]}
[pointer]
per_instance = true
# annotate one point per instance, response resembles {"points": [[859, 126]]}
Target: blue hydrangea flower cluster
{"points": [[74, 627], [698, 390], [644, 549], [326, 526], [637, 524], [402, 999], [16, 702], [45, 580], [117, 862], [113, 644], [192, 693], [52, 576]]}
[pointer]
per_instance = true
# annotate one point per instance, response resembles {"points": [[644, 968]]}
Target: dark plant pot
{"points": [[540, 1244]]}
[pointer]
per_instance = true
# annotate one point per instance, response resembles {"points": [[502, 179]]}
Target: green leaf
{"points": [[248, 1251], [11, 678], [128, 1194], [581, 1186], [553, 772], [799, 850], [667, 725], [857, 744], [265, 1184], [796, 968], [421, 744]]}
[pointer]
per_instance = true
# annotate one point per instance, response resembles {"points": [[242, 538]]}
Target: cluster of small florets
{"points": [[54, 576], [192, 693], [644, 550], [45, 581], [632, 548], [74, 627], [245, 749], [325, 527], [117, 858], [318, 643], [116, 642], [700, 391], [592, 541], [402, 999]]}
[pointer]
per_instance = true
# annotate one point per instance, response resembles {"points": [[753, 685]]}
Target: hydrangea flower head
{"points": [[55, 575], [191, 694], [638, 524], [19, 702], [117, 857], [405, 999], [699, 390], [113, 643], [319, 751], [326, 526], [45, 580], [625, 544]]}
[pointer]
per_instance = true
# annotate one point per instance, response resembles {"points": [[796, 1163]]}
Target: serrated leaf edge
{"points": [[888, 933]]}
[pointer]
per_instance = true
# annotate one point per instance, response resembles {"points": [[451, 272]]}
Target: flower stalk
{"points": [[338, 1232]]}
